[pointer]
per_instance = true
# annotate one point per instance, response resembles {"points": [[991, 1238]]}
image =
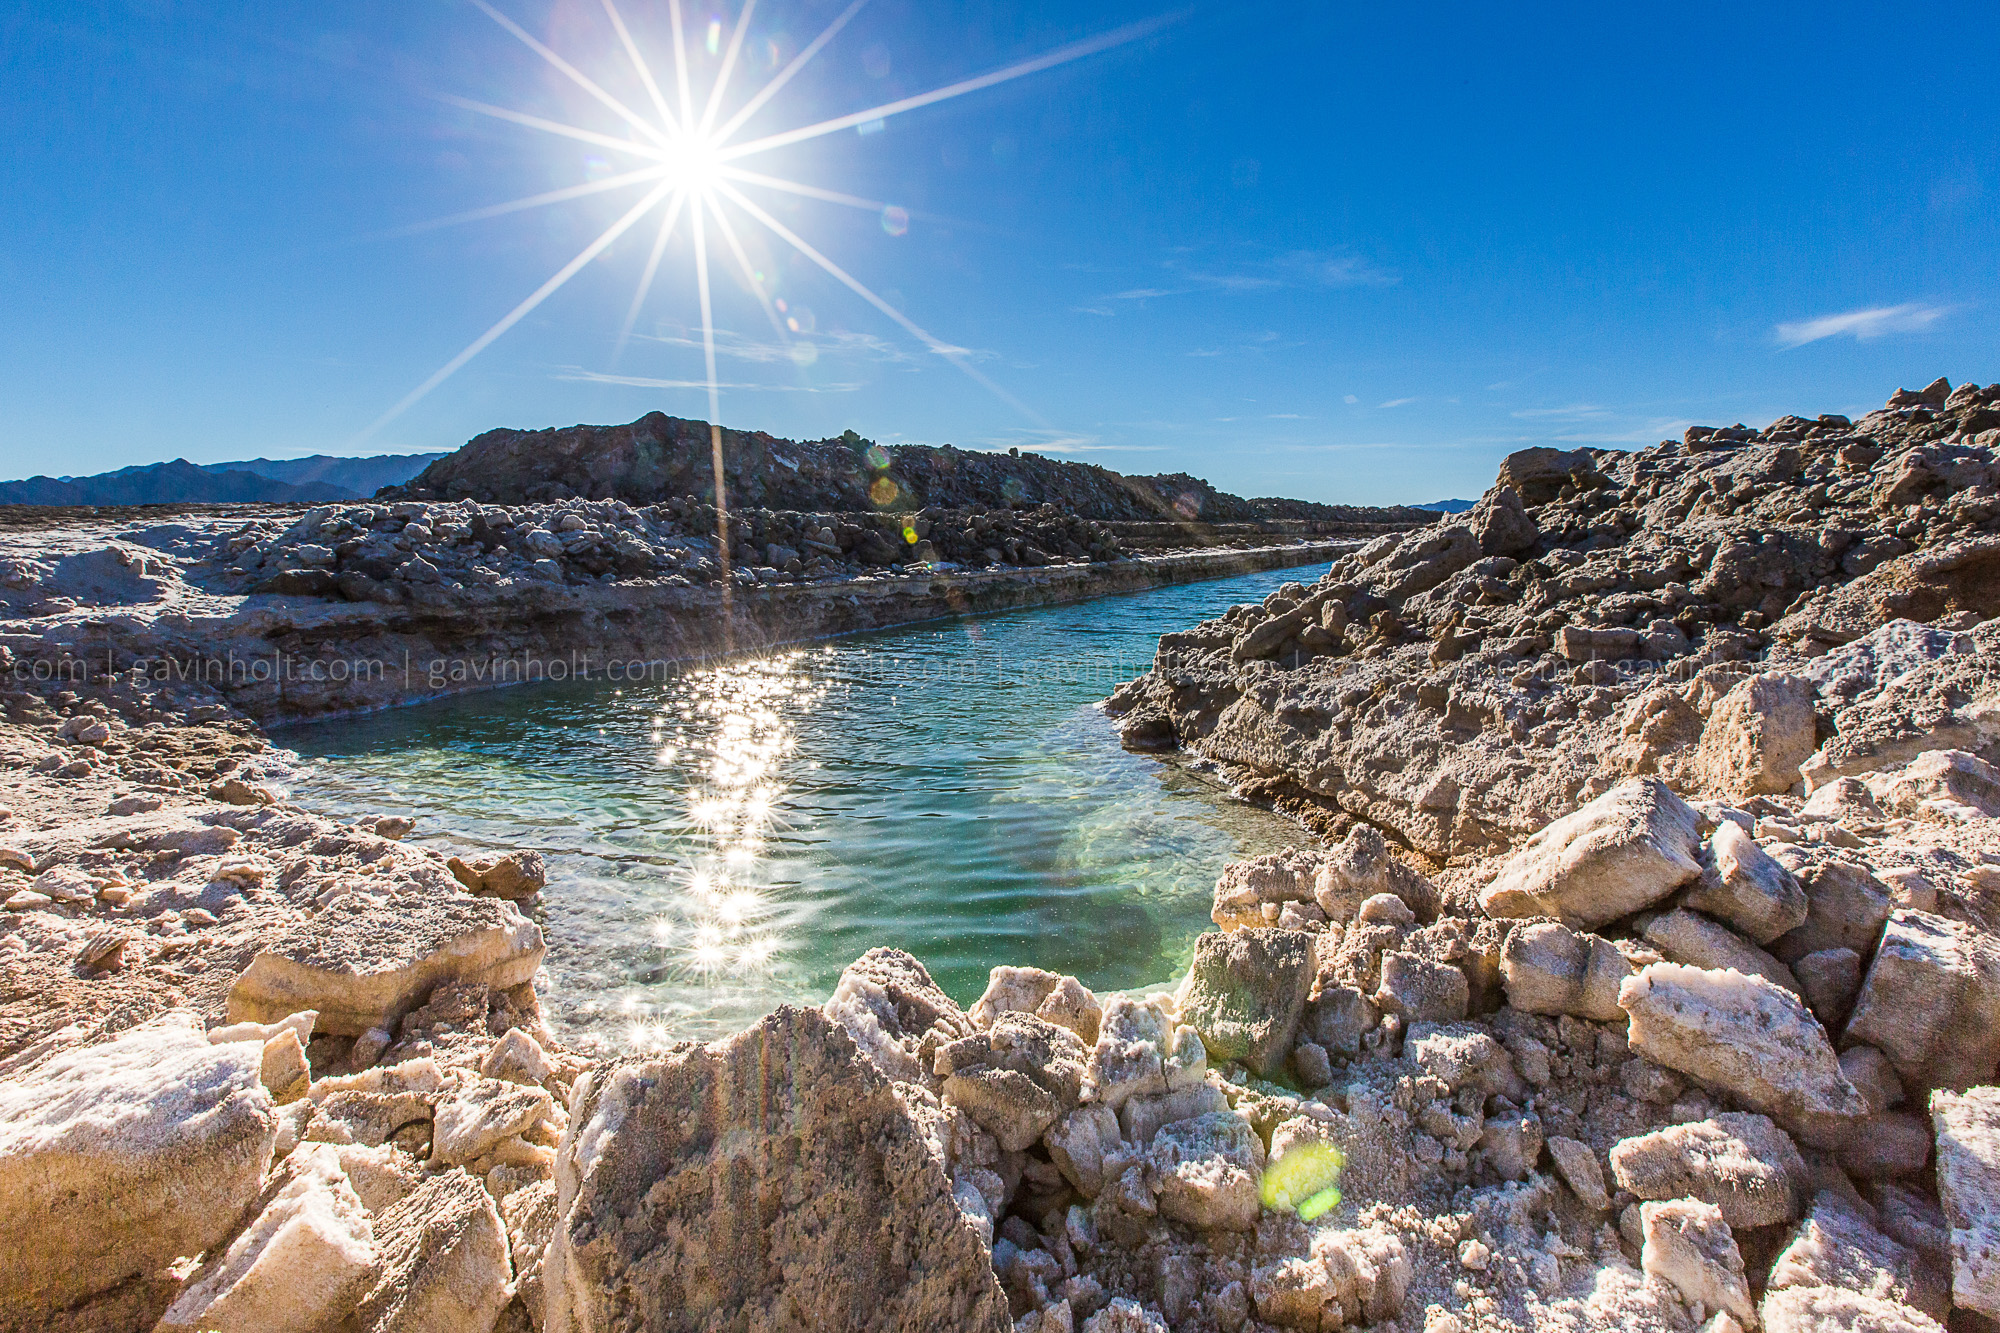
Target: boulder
{"points": [[1061, 1000], [1838, 1246], [445, 1264], [1689, 937], [477, 1116], [1746, 887], [1968, 1176], [516, 1058], [1689, 1246], [1082, 1143], [1952, 781], [364, 962], [116, 1159], [1577, 1163], [510, 875], [1208, 1168], [1551, 969], [1538, 475], [300, 1267], [1140, 1118], [1015, 1079], [1745, 1035], [1502, 523], [1742, 1163], [1931, 1001], [1829, 980], [1757, 736], [1422, 991], [896, 1014], [1886, 1145], [1246, 992], [1141, 1050], [829, 1207], [1845, 909], [1246, 888], [1337, 1018], [1361, 867], [1619, 854]]}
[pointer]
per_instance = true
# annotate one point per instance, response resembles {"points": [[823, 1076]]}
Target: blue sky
{"points": [[1336, 252]]}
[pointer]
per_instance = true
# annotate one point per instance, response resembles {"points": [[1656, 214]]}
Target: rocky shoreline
{"points": [[1645, 974]]}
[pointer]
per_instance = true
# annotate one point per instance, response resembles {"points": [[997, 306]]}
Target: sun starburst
{"points": [[688, 158]]}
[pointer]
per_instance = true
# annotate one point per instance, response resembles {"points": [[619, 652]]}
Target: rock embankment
{"points": [[1709, 610], [659, 457], [1706, 1041]]}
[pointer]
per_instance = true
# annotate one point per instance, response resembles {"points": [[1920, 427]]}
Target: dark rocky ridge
{"points": [[659, 457], [1462, 685]]}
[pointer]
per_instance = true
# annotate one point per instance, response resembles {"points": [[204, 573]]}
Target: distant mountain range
{"points": [[312, 480], [1447, 506]]}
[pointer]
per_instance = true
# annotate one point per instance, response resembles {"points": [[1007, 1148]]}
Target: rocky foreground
{"points": [[1646, 979]]}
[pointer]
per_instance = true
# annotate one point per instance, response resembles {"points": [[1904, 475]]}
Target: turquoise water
{"points": [[730, 836]]}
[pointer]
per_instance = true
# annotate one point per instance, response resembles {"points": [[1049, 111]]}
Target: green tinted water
{"points": [[730, 836]]}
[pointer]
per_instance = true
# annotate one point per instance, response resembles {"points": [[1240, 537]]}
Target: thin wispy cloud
{"points": [[1860, 325], [1572, 412], [1397, 402], [1293, 269], [577, 374]]}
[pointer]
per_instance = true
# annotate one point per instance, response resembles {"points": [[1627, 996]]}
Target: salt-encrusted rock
{"points": [[1461, 1055], [1829, 981], [516, 1058], [1061, 1000], [1511, 1143], [829, 1209], [300, 1025], [477, 1116], [1124, 1316], [1081, 1143], [1747, 888], [118, 1158], [368, 1118], [1337, 1018], [511, 875], [1968, 1176], [1551, 969], [1886, 1145], [1869, 1070], [896, 1014], [1421, 990], [1246, 991], [1689, 1245], [382, 1176], [445, 1264], [1362, 867], [1502, 523], [1845, 909], [1581, 1170], [1831, 1310], [1291, 1292], [1141, 1050], [1931, 1001], [1207, 1169], [1844, 800], [1837, 1246], [1246, 888], [1742, 1163], [301, 1266], [1140, 1118], [282, 1068], [1951, 781], [529, 1214], [363, 963], [1015, 1079], [1691, 938], [1757, 736], [1371, 1272], [1621, 853], [1743, 1034]]}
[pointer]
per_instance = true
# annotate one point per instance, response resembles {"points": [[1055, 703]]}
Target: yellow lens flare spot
{"points": [[884, 492], [1305, 1180], [909, 534]]}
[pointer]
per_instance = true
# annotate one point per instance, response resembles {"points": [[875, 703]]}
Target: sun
{"points": [[688, 155]]}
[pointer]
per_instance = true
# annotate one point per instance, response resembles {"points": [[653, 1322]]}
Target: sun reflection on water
{"points": [[733, 726]]}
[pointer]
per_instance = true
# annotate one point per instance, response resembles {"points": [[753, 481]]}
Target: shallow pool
{"points": [[730, 836]]}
